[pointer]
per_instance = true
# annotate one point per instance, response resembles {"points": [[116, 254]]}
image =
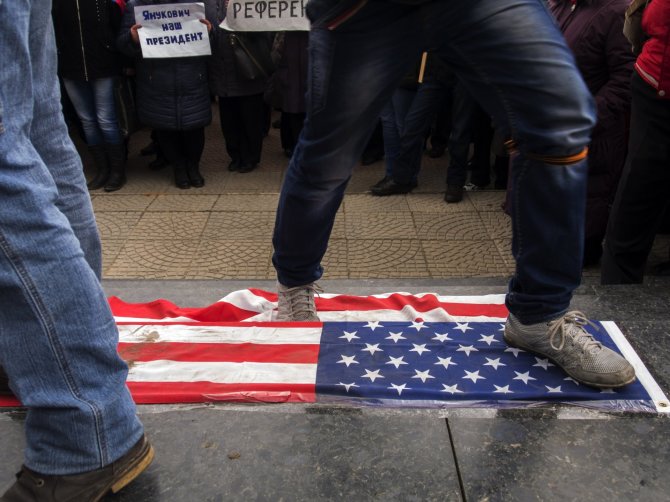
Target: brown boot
{"points": [[87, 487]]}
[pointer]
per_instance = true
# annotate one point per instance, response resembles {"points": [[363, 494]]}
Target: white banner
{"points": [[266, 15], [172, 30]]}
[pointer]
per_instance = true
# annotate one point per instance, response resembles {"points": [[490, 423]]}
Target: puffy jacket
{"points": [[653, 64], [172, 93], [85, 37]]}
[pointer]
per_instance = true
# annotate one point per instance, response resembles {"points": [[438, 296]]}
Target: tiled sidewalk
{"points": [[153, 230]]}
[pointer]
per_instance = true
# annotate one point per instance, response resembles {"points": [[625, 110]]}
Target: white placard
{"points": [[266, 15], [172, 30]]}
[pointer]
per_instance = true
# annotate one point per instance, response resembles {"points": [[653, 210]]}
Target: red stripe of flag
{"points": [[219, 352]]}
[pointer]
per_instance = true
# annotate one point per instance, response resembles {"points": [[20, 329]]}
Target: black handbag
{"points": [[126, 109], [252, 56]]}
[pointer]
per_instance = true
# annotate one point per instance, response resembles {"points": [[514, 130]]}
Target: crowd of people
{"points": [[552, 87]]}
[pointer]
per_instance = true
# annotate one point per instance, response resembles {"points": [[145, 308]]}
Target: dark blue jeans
{"points": [[515, 62]]}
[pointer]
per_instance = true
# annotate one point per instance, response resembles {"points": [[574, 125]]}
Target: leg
{"points": [[82, 97], [105, 110], [353, 71], [643, 192], [230, 127], [58, 342], [252, 119], [171, 144], [194, 144]]}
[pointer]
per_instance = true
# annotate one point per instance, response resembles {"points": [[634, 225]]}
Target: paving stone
{"points": [[364, 177], [240, 226], [260, 180], [232, 259], [486, 200], [464, 259], [367, 203], [432, 179], [380, 226], [255, 202], [116, 225], [336, 261], [434, 203], [498, 224], [110, 251], [150, 259], [183, 202], [113, 202], [169, 225], [386, 258], [339, 227], [450, 226], [504, 247]]}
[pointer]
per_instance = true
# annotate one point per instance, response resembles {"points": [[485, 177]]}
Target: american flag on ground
{"points": [[391, 349]]}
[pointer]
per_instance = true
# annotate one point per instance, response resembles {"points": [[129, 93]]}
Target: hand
{"points": [[133, 33], [207, 23]]}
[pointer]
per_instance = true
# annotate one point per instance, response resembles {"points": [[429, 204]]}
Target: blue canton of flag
{"points": [[462, 361]]}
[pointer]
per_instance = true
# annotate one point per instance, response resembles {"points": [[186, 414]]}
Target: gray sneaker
{"points": [[297, 303], [567, 343]]}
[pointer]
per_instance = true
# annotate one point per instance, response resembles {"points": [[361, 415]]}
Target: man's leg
{"points": [[353, 71], [514, 61], [58, 342]]}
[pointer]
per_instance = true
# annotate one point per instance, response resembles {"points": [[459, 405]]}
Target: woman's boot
{"points": [[181, 176], [117, 166], [194, 177], [101, 164]]}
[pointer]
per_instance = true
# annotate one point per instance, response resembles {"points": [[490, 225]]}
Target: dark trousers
{"points": [[182, 147], [644, 189], [243, 121]]}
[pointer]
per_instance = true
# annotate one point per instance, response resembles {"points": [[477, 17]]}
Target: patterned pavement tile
{"points": [[380, 226], [335, 263], [498, 224], [116, 225], [169, 225], [260, 180], [110, 251], [255, 226], [385, 258], [464, 259], [451, 226], [364, 177], [232, 259], [366, 203], [151, 259], [432, 179], [486, 200], [183, 202], [114, 202], [505, 249], [247, 202], [434, 203]]}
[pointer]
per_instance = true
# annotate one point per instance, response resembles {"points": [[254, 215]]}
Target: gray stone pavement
{"points": [[194, 246]]}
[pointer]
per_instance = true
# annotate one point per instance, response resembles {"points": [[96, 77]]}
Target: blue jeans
{"points": [[57, 335], [425, 104], [514, 61], [95, 106], [393, 118]]}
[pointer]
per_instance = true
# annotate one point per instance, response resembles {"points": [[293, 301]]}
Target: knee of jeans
{"points": [[570, 157]]}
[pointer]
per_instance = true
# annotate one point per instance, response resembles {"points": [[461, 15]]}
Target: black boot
{"points": [[117, 167], [181, 177], [194, 177], [101, 163]]}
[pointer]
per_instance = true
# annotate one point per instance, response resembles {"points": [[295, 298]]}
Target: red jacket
{"points": [[653, 64]]}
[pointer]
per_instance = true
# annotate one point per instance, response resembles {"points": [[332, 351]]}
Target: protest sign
{"points": [[266, 15], [172, 30]]}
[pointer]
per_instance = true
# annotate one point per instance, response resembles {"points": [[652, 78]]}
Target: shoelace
{"points": [[576, 320], [301, 299]]}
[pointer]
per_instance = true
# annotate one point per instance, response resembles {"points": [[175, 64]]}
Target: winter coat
{"points": [[224, 79], [172, 93], [653, 64], [86, 38], [289, 81], [594, 32]]}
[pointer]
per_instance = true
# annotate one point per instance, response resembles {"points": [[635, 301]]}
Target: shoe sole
{"points": [[579, 379], [131, 473]]}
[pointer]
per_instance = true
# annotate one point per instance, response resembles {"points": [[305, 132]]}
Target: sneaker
{"points": [[297, 303], [568, 344], [87, 487]]}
